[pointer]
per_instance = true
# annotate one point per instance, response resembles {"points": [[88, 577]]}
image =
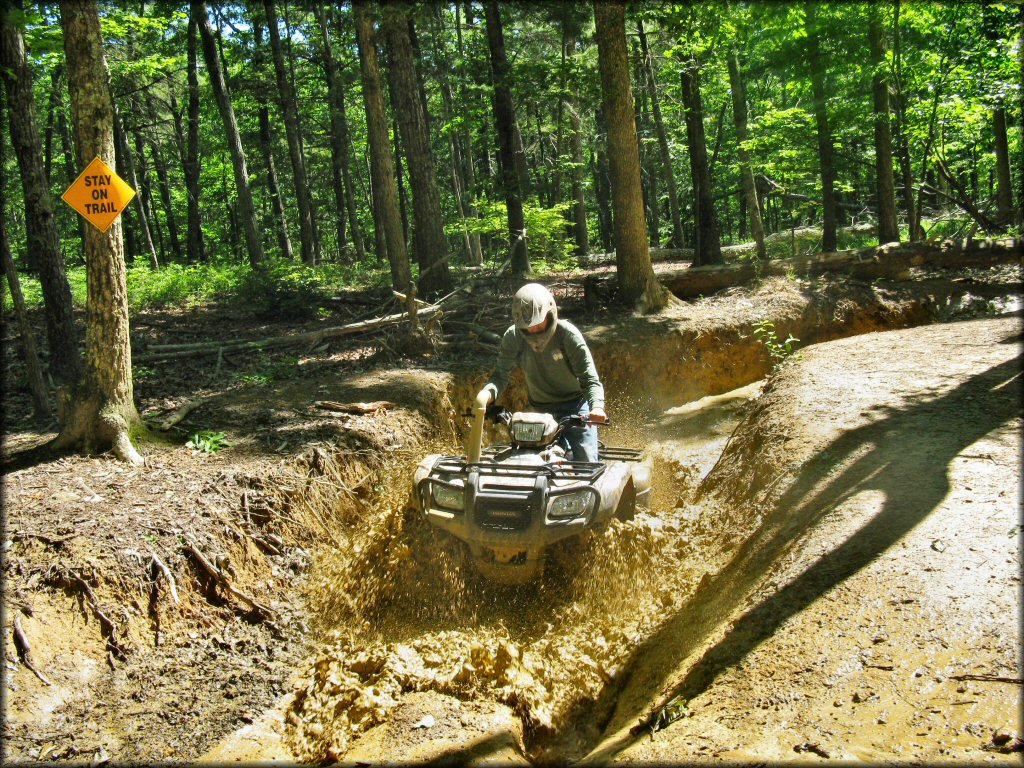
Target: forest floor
{"points": [[842, 583]]}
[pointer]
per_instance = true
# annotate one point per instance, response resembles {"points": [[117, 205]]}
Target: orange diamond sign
{"points": [[99, 194]]}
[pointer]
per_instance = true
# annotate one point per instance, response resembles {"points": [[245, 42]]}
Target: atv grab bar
{"points": [[476, 433]]}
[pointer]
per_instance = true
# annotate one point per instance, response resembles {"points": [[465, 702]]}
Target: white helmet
{"points": [[530, 306]]}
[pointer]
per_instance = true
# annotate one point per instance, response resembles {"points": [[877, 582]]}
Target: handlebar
{"points": [[498, 413]]}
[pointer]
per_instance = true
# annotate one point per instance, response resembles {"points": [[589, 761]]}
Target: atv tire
{"points": [[626, 510]]}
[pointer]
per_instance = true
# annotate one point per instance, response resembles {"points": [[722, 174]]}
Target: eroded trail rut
{"points": [[418, 658], [410, 615]]}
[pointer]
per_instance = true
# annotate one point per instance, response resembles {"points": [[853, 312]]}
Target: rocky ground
{"points": [[843, 583]]}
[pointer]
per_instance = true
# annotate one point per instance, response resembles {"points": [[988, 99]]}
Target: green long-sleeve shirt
{"points": [[563, 371]]}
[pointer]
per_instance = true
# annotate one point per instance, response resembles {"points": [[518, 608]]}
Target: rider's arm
{"points": [[581, 362], [508, 355]]}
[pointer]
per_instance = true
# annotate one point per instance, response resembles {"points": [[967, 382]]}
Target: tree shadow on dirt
{"points": [[904, 455]]}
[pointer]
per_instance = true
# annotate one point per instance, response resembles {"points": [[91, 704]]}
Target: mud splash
{"points": [[401, 611]]}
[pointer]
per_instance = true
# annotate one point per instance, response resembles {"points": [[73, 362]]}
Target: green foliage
{"points": [[268, 370], [545, 228], [764, 331], [208, 441], [284, 290], [180, 285]]}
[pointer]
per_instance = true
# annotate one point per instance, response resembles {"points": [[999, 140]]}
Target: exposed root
{"points": [[265, 613], [24, 651]]}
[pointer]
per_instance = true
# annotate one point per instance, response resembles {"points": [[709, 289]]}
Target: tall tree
{"points": [[387, 219], [638, 285], [102, 412], [428, 243], [266, 139], [816, 68], [308, 229], [344, 197], [1000, 141], [455, 149], [126, 168], [739, 116], [195, 247], [30, 353], [885, 186], [163, 182], [708, 248], [247, 211], [505, 125], [900, 127], [579, 207], [659, 127], [40, 227]]}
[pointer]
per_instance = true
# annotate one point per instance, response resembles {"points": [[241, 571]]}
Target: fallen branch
{"points": [[177, 351], [179, 415], [261, 610], [890, 261], [357, 408], [24, 651]]}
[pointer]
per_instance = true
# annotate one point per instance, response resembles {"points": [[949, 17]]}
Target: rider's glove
{"points": [[598, 416]]}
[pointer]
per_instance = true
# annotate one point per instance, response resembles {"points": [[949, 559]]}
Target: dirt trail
{"points": [[385, 646], [870, 611], [844, 587]]}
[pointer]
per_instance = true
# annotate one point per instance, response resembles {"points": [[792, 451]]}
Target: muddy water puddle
{"points": [[402, 614]]}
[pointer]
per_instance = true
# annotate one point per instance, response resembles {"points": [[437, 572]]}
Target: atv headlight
{"points": [[569, 505], [525, 432], [450, 498]]}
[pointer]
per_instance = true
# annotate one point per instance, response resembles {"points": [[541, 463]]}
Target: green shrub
{"points": [[283, 290]]}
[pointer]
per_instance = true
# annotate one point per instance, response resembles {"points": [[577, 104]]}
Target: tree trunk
{"points": [[602, 186], [103, 410], [145, 193], [885, 187], [902, 141], [579, 207], [429, 244], [505, 125], [387, 219], [454, 150], [266, 138], [666, 157], [234, 141], [128, 172], [308, 232], [817, 72], [708, 248], [1004, 187], [638, 285], [344, 198], [42, 243], [30, 353], [163, 185], [195, 248], [739, 114]]}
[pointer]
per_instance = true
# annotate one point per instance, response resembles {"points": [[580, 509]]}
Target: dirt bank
{"points": [[354, 622], [870, 608]]}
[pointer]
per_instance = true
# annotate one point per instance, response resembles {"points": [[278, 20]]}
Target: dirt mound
{"points": [[871, 494]]}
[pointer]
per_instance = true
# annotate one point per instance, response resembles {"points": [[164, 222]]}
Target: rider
{"points": [[561, 378]]}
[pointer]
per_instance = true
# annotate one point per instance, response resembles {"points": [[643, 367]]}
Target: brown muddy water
{"points": [[399, 608]]}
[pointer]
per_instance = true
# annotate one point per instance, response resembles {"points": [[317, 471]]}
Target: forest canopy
{"points": [[817, 82]]}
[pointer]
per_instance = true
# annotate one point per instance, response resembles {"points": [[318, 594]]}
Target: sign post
{"points": [[99, 195]]}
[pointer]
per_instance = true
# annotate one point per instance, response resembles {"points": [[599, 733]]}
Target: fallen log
{"points": [[178, 351], [892, 261]]}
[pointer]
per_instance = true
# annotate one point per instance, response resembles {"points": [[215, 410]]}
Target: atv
{"points": [[510, 502]]}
